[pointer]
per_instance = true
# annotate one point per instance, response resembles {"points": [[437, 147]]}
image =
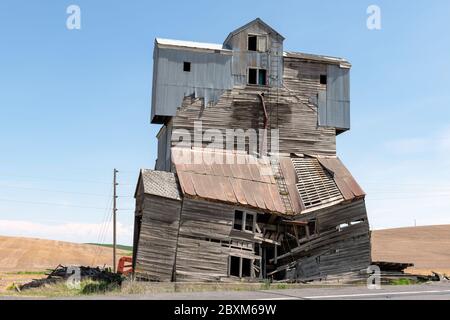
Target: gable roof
{"points": [[159, 183], [257, 20]]}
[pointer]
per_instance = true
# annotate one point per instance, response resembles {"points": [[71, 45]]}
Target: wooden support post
{"points": [[275, 254]]}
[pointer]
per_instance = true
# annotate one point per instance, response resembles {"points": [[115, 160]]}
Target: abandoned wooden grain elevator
{"points": [[294, 214]]}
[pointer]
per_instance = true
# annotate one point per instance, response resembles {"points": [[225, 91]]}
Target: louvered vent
{"points": [[315, 184]]}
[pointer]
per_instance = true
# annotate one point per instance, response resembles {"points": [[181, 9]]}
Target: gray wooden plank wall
{"points": [[155, 258]]}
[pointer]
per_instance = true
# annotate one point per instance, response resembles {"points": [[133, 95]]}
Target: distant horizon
{"points": [[108, 244], [75, 104]]}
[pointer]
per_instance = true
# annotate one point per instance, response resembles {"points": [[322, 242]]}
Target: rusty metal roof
{"points": [[343, 180], [348, 186], [244, 180], [232, 178], [160, 183]]}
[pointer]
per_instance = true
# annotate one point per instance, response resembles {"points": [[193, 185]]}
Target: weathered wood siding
{"points": [[242, 109], [337, 248], [197, 257], [204, 241], [270, 59], [163, 162], [156, 248]]}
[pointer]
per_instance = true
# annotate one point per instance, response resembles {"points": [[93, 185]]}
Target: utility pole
{"points": [[114, 219]]}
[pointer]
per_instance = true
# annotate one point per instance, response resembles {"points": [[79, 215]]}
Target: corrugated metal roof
{"points": [[348, 186], [246, 181], [319, 58], [245, 26], [190, 44], [160, 183], [240, 180]]}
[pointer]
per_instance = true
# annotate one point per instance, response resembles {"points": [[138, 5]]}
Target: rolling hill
{"points": [[427, 247], [28, 254]]}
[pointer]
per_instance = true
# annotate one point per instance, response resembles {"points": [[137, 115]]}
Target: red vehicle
{"points": [[125, 266]]}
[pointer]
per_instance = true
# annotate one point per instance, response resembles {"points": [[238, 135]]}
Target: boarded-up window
{"points": [[262, 43], [315, 184]]}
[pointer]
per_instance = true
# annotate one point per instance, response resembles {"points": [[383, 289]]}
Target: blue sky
{"points": [[74, 104]]}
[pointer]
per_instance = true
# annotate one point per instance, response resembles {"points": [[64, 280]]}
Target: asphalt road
{"points": [[434, 291]]}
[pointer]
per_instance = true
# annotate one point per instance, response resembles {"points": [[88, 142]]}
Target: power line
{"points": [[54, 179], [102, 227], [58, 204], [53, 190]]}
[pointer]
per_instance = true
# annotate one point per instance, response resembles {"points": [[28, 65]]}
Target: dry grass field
{"points": [[427, 247], [24, 259]]}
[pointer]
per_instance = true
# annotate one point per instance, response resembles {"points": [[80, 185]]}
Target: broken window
{"points": [[323, 79], [312, 228], [252, 76], [187, 66], [316, 185], [238, 215], [246, 268], [257, 43], [257, 76], [235, 266], [252, 43], [249, 222], [244, 221], [240, 267]]}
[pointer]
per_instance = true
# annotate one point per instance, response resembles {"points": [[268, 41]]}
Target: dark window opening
{"points": [[323, 79], [249, 222], [234, 266], [257, 250], [262, 79], [252, 43], [187, 66], [238, 220], [252, 76], [246, 268], [312, 228], [301, 232]]}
